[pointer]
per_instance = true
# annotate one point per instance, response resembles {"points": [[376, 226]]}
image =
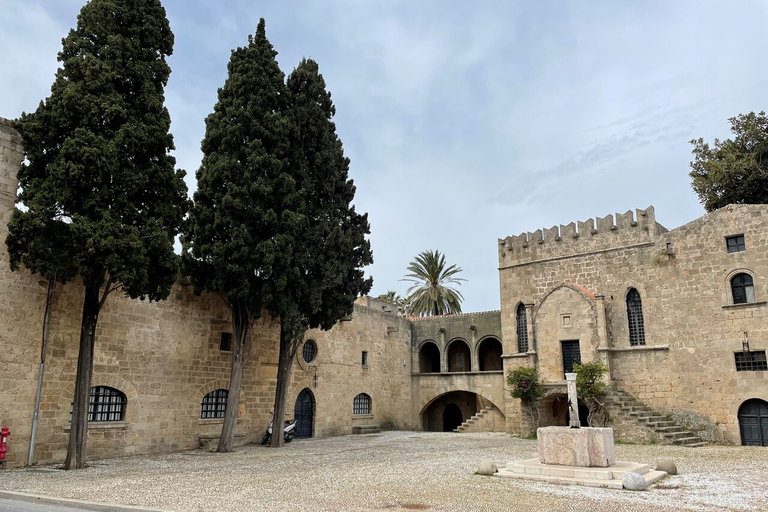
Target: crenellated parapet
{"points": [[604, 233], [11, 156]]}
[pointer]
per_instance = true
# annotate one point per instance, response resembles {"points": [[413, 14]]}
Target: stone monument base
{"points": [[581, 447], [609, 477]]}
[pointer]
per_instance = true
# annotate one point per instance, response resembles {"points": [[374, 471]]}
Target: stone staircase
{"points": [[475, 423], [670, 431]]}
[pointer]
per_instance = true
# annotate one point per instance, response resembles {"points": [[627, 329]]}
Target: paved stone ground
{"points": [[395, 471]]}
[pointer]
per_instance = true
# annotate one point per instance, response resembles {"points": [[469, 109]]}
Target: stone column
{"points": [[573, 400]]}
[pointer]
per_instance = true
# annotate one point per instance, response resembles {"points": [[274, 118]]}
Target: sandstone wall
{"points": [[166, 356], [692, 329]]}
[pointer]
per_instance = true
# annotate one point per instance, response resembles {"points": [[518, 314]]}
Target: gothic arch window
{"points": [[522, 329], [635, 318], [742, 289], [361, 404], [214, 404]]}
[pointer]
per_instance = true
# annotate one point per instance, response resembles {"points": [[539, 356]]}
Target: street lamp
{"points": [[745, 342]]}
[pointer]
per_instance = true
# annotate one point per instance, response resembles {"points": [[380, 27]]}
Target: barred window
{"points": [[742, 289], [751, 361], [735, 243], [105, 404], [635, 318], [361, 404], [214, 404], [522, 330], [309, 352]]}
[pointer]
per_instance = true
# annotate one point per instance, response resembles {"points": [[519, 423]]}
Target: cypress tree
{"points": [[246, 208], [103, 200], [325, 275]]}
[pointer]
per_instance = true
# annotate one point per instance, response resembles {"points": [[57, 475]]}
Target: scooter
{"points": [[288, 431]]}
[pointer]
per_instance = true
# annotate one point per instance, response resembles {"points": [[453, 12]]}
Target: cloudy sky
{"points": [[466, 121]]}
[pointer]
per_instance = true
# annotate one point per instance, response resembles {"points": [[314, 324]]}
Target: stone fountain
{"points": [[577, 455]]}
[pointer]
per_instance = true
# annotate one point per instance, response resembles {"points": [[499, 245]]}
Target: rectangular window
{"points": [[751, 361], [735, 243], [571, 355], [365, 358], [226, 342]]}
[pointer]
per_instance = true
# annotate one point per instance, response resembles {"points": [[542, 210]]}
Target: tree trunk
{"points": [[241, 323], [289, 342], [78, 433]]}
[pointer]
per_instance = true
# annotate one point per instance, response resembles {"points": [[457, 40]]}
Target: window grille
{"points": [[522, 330], [226, 342], [635, 318], [735, 243], [309, 352], [214, 404], [742, 289], [105, 404], [361, 404], [751, 361]]}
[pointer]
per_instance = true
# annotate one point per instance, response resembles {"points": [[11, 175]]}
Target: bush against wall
{"points": [[524, 384]]}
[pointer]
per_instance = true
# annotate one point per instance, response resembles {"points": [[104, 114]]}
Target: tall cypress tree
{"points": [[246, 210], [102, 197], [325, 274]]}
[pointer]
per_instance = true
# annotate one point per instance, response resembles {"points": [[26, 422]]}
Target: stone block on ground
{"points": [[582, 447]]}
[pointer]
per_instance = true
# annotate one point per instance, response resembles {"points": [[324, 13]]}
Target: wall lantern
{"points": [[745, 342]]}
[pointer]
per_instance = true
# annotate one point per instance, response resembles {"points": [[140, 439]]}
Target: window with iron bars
{"points": [[361, 404], [735, 243], [635, 318], [104, 404], [214, 404], [522, 330], [751, 361]]}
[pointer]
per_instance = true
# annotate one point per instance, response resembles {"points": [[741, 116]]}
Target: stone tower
{"points": [[11, 156]]}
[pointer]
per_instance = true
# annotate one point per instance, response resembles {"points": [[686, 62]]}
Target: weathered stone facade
{"points": [[577, 283], [567, 284]]}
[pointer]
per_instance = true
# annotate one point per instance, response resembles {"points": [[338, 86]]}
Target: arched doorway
{"points": [[429, 358], [433, 415], [459, 357], [753, 422], [452, 417], [489, 355], [304, 412]]}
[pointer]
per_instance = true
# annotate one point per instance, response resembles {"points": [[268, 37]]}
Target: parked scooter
{"points": [[288, 431]]}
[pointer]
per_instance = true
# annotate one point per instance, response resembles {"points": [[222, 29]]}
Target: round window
{"points": [[309, 352]]}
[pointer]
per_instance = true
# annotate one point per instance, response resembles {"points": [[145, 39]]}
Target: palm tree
{"points": [[429, 294], [394, 298]]}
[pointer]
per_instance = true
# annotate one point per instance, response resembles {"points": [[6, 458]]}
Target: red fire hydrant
{"points": [[4, 433]]}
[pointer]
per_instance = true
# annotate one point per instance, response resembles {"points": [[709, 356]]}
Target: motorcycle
{"points": [[289, 428]]}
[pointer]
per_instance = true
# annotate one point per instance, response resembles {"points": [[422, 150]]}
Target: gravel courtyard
{"points": [[397, 471]]}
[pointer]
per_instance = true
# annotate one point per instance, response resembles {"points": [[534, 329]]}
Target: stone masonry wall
{"points": [[166, 356], [692, 328]]}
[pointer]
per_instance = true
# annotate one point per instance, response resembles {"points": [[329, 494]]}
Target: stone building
{"points": [[668, 311]]}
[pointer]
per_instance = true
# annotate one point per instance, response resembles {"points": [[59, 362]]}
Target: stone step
{"points": [[651, 419], [694, 445], [676, 435], [689, 441], [662, 424], [673, 429]]}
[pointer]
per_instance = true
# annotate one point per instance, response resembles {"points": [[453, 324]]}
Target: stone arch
{"points": [[489, 354], [458, 355], [112, 381], [565, 326], [429, 357], [209, 386], [431, 414], [728, 290]]}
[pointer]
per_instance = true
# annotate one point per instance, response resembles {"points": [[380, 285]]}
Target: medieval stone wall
{"points": [[166, 356], [692, 327]]}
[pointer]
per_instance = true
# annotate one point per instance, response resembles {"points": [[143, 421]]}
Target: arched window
{"points": [[522, 330], [214, 404], [106, 404], [635, 318], [742, 289], [361, 404], [309, 352], [489, 355], [459, 356]]}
